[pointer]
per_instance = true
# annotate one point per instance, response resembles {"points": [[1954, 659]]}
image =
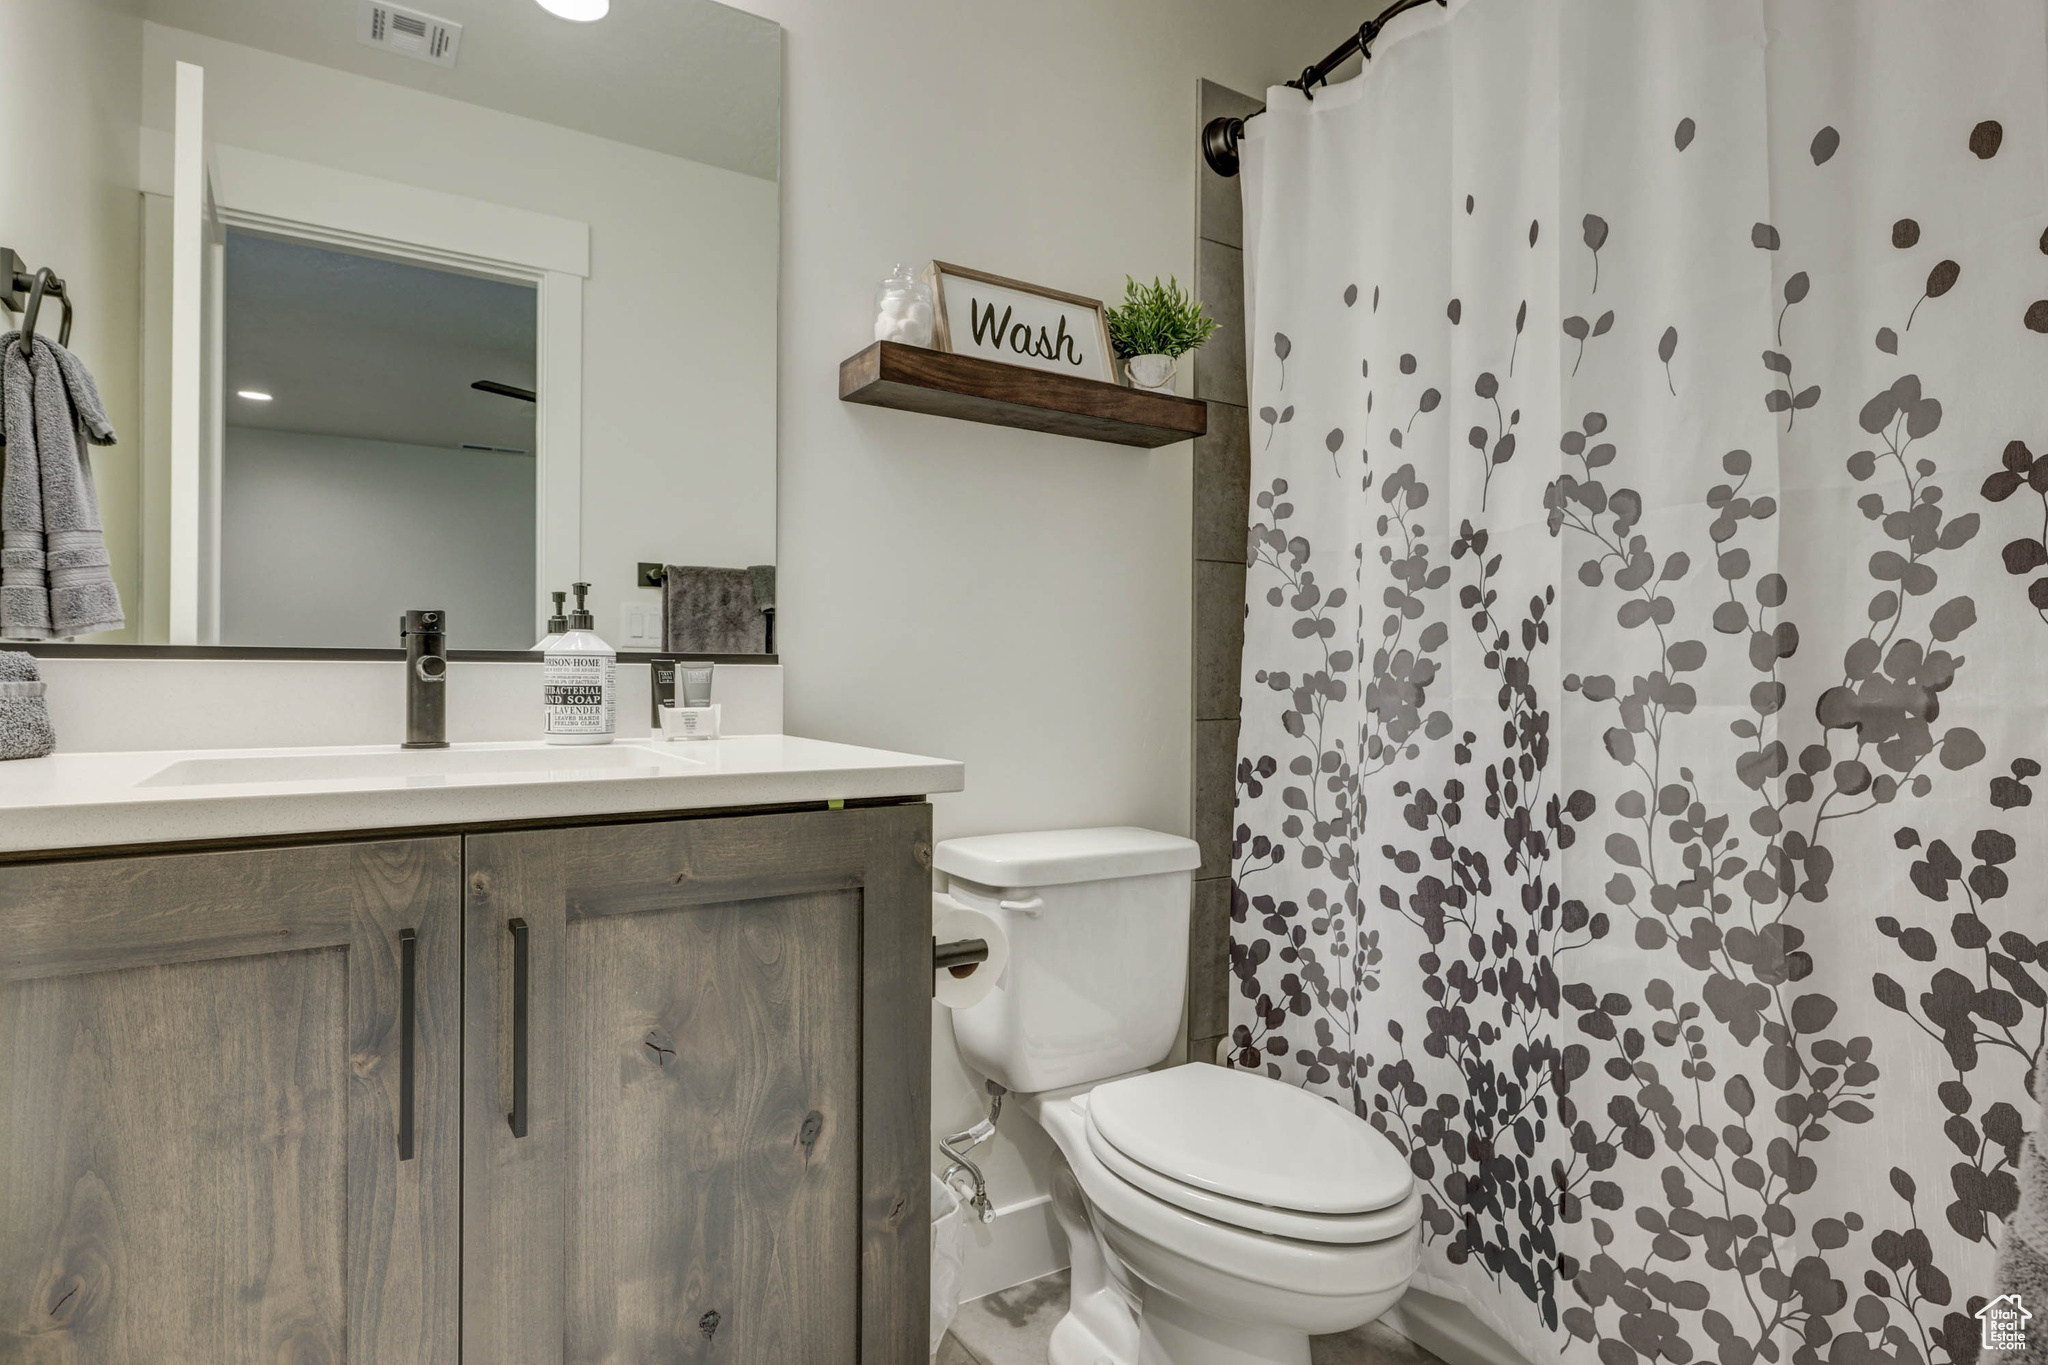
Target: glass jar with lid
{"points": [[903, 309]]}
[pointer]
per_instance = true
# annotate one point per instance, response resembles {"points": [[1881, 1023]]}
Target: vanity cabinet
{"points": [[205, 1151], [669, 1094], [726, 1038]]}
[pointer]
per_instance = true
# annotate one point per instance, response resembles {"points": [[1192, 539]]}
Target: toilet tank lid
{"points": [[1060, 857]]}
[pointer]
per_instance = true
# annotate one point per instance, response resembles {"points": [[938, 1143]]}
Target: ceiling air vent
{"points": [[408, 32]]}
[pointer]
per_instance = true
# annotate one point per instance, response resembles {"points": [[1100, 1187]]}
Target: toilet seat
{"points": [[1251, 1152], [1336, 1229], [1304, 1273]]}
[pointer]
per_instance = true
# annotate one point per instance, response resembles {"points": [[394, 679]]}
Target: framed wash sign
{"points": [[1023, 324]]}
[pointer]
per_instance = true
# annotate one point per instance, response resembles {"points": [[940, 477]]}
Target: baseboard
{"points": [[1023, 1243], [1449, 1330]]}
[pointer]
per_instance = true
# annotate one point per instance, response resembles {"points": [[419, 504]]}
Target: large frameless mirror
{"points": [[442, 306]]}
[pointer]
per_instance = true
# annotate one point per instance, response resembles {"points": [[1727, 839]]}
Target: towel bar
{"points": [[26, 291]]}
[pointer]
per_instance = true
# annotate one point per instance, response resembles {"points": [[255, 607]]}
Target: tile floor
{"points": [[1012, 1327]]}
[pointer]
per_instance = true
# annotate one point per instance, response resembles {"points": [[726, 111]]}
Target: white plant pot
{"points": [[1153, 372]]}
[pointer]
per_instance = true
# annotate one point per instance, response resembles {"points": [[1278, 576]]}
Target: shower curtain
{"points": [[1640, 815]]}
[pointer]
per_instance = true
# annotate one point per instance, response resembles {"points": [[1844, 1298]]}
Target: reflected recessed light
{"points": [[582, 11], [253, 395]]}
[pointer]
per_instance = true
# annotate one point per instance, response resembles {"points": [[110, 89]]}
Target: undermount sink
{"points": [[460, 766]]}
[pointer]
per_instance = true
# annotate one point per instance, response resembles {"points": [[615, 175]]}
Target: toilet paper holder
{"points": [[959, 957]]}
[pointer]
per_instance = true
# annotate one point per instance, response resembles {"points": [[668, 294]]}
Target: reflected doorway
{"points": [[378, 449]]}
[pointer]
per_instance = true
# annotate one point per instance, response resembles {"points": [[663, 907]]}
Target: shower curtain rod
{"points": [[1220, 137]]}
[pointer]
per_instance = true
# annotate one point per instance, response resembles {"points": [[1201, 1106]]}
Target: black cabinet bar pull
{"points": [[517, 1118], [408, 985]]}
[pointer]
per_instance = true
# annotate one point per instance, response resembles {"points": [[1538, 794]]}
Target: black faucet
{"points": [[425, 634]]}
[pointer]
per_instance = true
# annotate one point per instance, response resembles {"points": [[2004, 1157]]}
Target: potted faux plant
{"points": [[1154, 327]]}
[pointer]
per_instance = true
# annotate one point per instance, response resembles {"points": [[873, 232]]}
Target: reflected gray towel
{"points": [[24, 715], [2023, 1253], [55, 578], [713, 611]]}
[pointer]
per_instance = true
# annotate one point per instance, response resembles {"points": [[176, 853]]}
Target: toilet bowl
{"points": [[1213, 1217], [1237, 1283]]}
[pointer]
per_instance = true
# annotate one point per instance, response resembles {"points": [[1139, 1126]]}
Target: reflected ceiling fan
{"points": [[504, 390]]}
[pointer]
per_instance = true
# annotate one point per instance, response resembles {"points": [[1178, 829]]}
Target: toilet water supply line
{"points": [[959, 1145]]}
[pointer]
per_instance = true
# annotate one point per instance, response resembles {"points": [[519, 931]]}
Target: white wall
{"points": [[678, 312], [68, 201], [1015, 600], [326, 540]]}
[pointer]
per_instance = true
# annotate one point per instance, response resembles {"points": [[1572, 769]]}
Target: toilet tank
{"points": [[1098, 926]]}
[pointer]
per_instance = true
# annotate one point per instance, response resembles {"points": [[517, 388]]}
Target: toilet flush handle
{"points": [[1030, 905]]}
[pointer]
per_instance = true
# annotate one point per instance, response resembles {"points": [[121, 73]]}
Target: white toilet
{"points": [[1213, 1217]]}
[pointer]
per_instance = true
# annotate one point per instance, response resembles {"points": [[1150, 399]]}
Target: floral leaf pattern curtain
{"points": [[1643, 695]]}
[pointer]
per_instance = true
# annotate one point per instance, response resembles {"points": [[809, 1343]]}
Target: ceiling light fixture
{"points": [[581, 11], [253, 395]]}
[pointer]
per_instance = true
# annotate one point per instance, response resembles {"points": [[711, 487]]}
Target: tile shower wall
{"points": [[1222, 493]]}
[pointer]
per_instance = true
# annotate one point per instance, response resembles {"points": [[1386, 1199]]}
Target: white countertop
{"points": [[100, 800]]}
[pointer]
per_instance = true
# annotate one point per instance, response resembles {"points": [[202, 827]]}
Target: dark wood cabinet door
{"points": [[200, 1107], [726, 1039]]}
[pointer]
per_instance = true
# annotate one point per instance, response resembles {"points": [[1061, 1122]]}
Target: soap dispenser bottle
{"points": [[558, 625], [580, 681]]}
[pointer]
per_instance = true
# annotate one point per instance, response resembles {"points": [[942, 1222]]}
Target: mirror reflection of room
{"points": [[363, 228]]}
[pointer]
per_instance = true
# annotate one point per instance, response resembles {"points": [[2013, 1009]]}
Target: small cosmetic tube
{"points": [[662, 689], [693, 684]]}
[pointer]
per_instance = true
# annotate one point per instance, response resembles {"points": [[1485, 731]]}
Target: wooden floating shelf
{"points": [[890, 375]]}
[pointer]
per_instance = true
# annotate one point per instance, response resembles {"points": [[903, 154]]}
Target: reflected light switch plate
{"points": [[640, 626]]}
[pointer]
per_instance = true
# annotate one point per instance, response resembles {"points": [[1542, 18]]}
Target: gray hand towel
{"points": [[24, 588], [24, 715], [55, 578], [711, 611]]}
